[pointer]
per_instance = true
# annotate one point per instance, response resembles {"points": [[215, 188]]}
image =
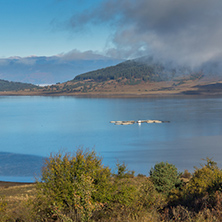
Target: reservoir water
{"points": [[33, 127]]}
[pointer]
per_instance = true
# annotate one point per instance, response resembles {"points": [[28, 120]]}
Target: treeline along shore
{"points": [[78, 187], [121, 91]]}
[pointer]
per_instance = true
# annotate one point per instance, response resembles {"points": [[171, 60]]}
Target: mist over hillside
{"points": [[211, 67], [146, 75], [153, 69], [55, 69]]}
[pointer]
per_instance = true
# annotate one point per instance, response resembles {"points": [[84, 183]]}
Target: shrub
{"points": [[207, 179], [133, 199], [74, 184], [123, 172], [186, 174], [165, 177], [149, 196], [203, 186], [203, 190]]}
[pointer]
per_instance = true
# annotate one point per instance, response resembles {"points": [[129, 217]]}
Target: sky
{"points": [[187, 31], [42, 28]]}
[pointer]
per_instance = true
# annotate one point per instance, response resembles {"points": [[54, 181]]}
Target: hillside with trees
{"points": [[15, 86], [138, 76], [144, 69]]}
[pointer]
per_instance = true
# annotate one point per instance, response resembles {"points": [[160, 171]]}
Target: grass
{"points": [[16, 194], [15, 201]]}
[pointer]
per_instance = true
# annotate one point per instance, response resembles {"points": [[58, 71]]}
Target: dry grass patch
{"points": [[14, 194]]}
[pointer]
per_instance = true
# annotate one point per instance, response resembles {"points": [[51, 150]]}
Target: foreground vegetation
{"points": [[78, 187]]}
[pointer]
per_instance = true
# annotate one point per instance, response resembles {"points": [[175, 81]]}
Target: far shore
{"points": [[6, 184], [116, 95]]}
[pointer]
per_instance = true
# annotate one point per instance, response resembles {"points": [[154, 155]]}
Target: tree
{"points": [[75, 184], [123, 172], [165, 177], [205, 180]]}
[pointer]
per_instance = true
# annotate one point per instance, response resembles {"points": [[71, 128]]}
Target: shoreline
{"points": [[158, 94], [144, 90], [6, 184]]}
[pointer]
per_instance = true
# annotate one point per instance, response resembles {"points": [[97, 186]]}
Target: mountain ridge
{"points": [[146, 70], [142, 77]]}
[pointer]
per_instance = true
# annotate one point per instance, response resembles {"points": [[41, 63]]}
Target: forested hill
{"points": [[143, 69], [15, 86]]}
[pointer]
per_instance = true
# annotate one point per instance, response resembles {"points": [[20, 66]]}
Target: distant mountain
{"points": [[144, 69], [132, 76], [50, 70], [12, 164], [15, 86], [143, 76]]}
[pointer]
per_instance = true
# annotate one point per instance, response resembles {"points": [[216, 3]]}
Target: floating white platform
{"points": [[130, 122]]}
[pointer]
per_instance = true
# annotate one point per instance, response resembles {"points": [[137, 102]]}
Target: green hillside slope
{"points": [[143, 69], [15, 86]]}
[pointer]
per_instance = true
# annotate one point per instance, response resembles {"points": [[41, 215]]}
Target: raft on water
{"points": [[130, 122]]}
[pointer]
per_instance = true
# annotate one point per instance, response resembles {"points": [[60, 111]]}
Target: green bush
{"points": [[186, 174], [132, 199], [205, 180], [149, 196], [123, 172], [165, 177], [79, 188], [74, 184], [203, 188], [201, 197]]}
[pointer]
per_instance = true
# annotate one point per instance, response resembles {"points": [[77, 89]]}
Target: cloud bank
{"points": [[186, 31], [78, 55], [53, 69]]}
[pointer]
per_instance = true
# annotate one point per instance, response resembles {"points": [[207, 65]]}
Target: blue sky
{"points": [[184, 31], [41, 27]]}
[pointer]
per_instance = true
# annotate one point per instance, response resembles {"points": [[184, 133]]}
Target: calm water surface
{"points": [[33, 127]]}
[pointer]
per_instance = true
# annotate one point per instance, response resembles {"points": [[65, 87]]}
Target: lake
{"points": [[34, 126]]}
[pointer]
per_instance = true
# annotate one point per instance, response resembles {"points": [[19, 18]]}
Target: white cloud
{"points": [[78, 55]]}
